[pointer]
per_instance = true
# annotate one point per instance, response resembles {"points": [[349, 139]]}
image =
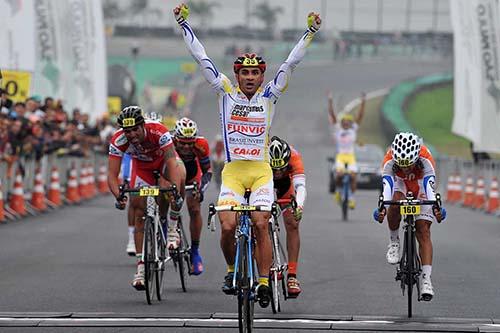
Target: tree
{"points": [[203, 9], [267, 14]]}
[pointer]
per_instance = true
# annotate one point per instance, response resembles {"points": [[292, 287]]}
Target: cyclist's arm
{"points": [[280, 82], [331, 111], [388, 180], [361, 112], [299, 183], [172, 174], [114, 165], [429, 181], [218, 81]]}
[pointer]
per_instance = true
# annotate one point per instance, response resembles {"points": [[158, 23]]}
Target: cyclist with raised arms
{"points": [[289, 180], [345, 135], [151, 148], [246, 112], [409, 166], [195, 153]]}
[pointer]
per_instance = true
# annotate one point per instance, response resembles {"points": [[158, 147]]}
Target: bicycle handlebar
{"points": [[410, 201]]}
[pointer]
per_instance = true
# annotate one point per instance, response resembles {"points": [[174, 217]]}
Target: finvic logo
{"points": [[247, 130]]}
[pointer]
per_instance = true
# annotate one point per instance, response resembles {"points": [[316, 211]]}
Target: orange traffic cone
{"points": [[459, 191], [469, 193], [2, 211], [493, 201], [91, 180], [16, 202], [450, 189], [83, 183], [54, 195], [480, 195], [38, 194], [72, 194], [102, 180]]}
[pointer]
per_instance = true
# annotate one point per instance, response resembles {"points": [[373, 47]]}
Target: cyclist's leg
{"points": [[126, 173], [231, 193], [339, 171], [393, 221], [293, 248], [262, 195], [195, 227], [423, 233]]}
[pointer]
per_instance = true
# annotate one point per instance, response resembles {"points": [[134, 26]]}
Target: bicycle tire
{"points": [[180, 256], [275, 299], [245, 305], [345, 198], [162, 256], [186, 248], [409, 266], [149, 258]]}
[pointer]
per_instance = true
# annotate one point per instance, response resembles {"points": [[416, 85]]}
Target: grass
{"points": [[430, 113]]}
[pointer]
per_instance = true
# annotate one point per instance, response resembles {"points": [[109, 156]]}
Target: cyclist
{"points": [[408, 166], [345, 135], [151, 148], [289, 180], [246, 112], [195, 153]]}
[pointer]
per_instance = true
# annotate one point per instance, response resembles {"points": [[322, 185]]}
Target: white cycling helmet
{"points": [[185, 128], [405, 149]]}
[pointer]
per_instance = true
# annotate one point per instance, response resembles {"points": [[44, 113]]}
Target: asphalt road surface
{"points": [[69, 268]]}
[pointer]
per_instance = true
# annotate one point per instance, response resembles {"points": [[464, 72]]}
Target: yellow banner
{"points": [[17, 84], [114, 105]]}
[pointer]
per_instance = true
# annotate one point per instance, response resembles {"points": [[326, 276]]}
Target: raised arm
{"points": [[331, 111], [361, 112], [280, 82], [208, 68]]}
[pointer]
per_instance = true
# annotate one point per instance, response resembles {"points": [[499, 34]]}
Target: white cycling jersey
{"points": [[245, 123], [345, 139]]}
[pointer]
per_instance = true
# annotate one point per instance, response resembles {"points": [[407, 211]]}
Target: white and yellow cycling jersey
{"points": [[245, 123]]}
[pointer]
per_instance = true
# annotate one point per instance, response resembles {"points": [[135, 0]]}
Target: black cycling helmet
{"points": [[130, 116], [279, 153]]}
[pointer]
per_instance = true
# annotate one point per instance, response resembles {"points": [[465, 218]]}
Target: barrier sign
{"points": [[17, 84]]}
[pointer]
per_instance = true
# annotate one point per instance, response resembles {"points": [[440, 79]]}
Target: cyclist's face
{"points": [[280, 173], [135, 135], [407, 170], [184, 146], [250, 79], [346, 124]]}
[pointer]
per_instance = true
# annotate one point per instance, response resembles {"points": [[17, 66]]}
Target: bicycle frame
{"points": [[244, 229]]}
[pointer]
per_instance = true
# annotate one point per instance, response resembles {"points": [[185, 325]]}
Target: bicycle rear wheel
{"points": [[162, 256], [149, 258]]}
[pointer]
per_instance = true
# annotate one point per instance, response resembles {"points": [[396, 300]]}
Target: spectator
{"points": [[5, 101]]}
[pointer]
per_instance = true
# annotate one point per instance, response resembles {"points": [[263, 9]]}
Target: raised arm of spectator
{"points": [[361, 112], [280, 82], [216, 79], [331, 111]]}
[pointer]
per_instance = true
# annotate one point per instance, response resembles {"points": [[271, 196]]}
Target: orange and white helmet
{"points": [[185, 129]]}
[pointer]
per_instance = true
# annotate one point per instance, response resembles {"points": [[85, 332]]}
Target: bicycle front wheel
{"points": [[162, 257], [149, 258], [245, 295], [275, 271], [181, 255], [410, 268]]}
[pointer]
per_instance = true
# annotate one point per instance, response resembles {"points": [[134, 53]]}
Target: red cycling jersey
{"points": [[156, 141]]}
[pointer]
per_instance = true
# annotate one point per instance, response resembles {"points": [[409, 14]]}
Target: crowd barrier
{"points": [[29, 187], [469, 184]]}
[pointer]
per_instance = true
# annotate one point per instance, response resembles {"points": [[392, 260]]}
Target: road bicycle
{"points": [[410, 267], [345, 193], [244, 280], [154, 245]]}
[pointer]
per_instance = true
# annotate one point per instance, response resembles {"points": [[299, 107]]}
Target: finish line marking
{"points": [[221, 320]]}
